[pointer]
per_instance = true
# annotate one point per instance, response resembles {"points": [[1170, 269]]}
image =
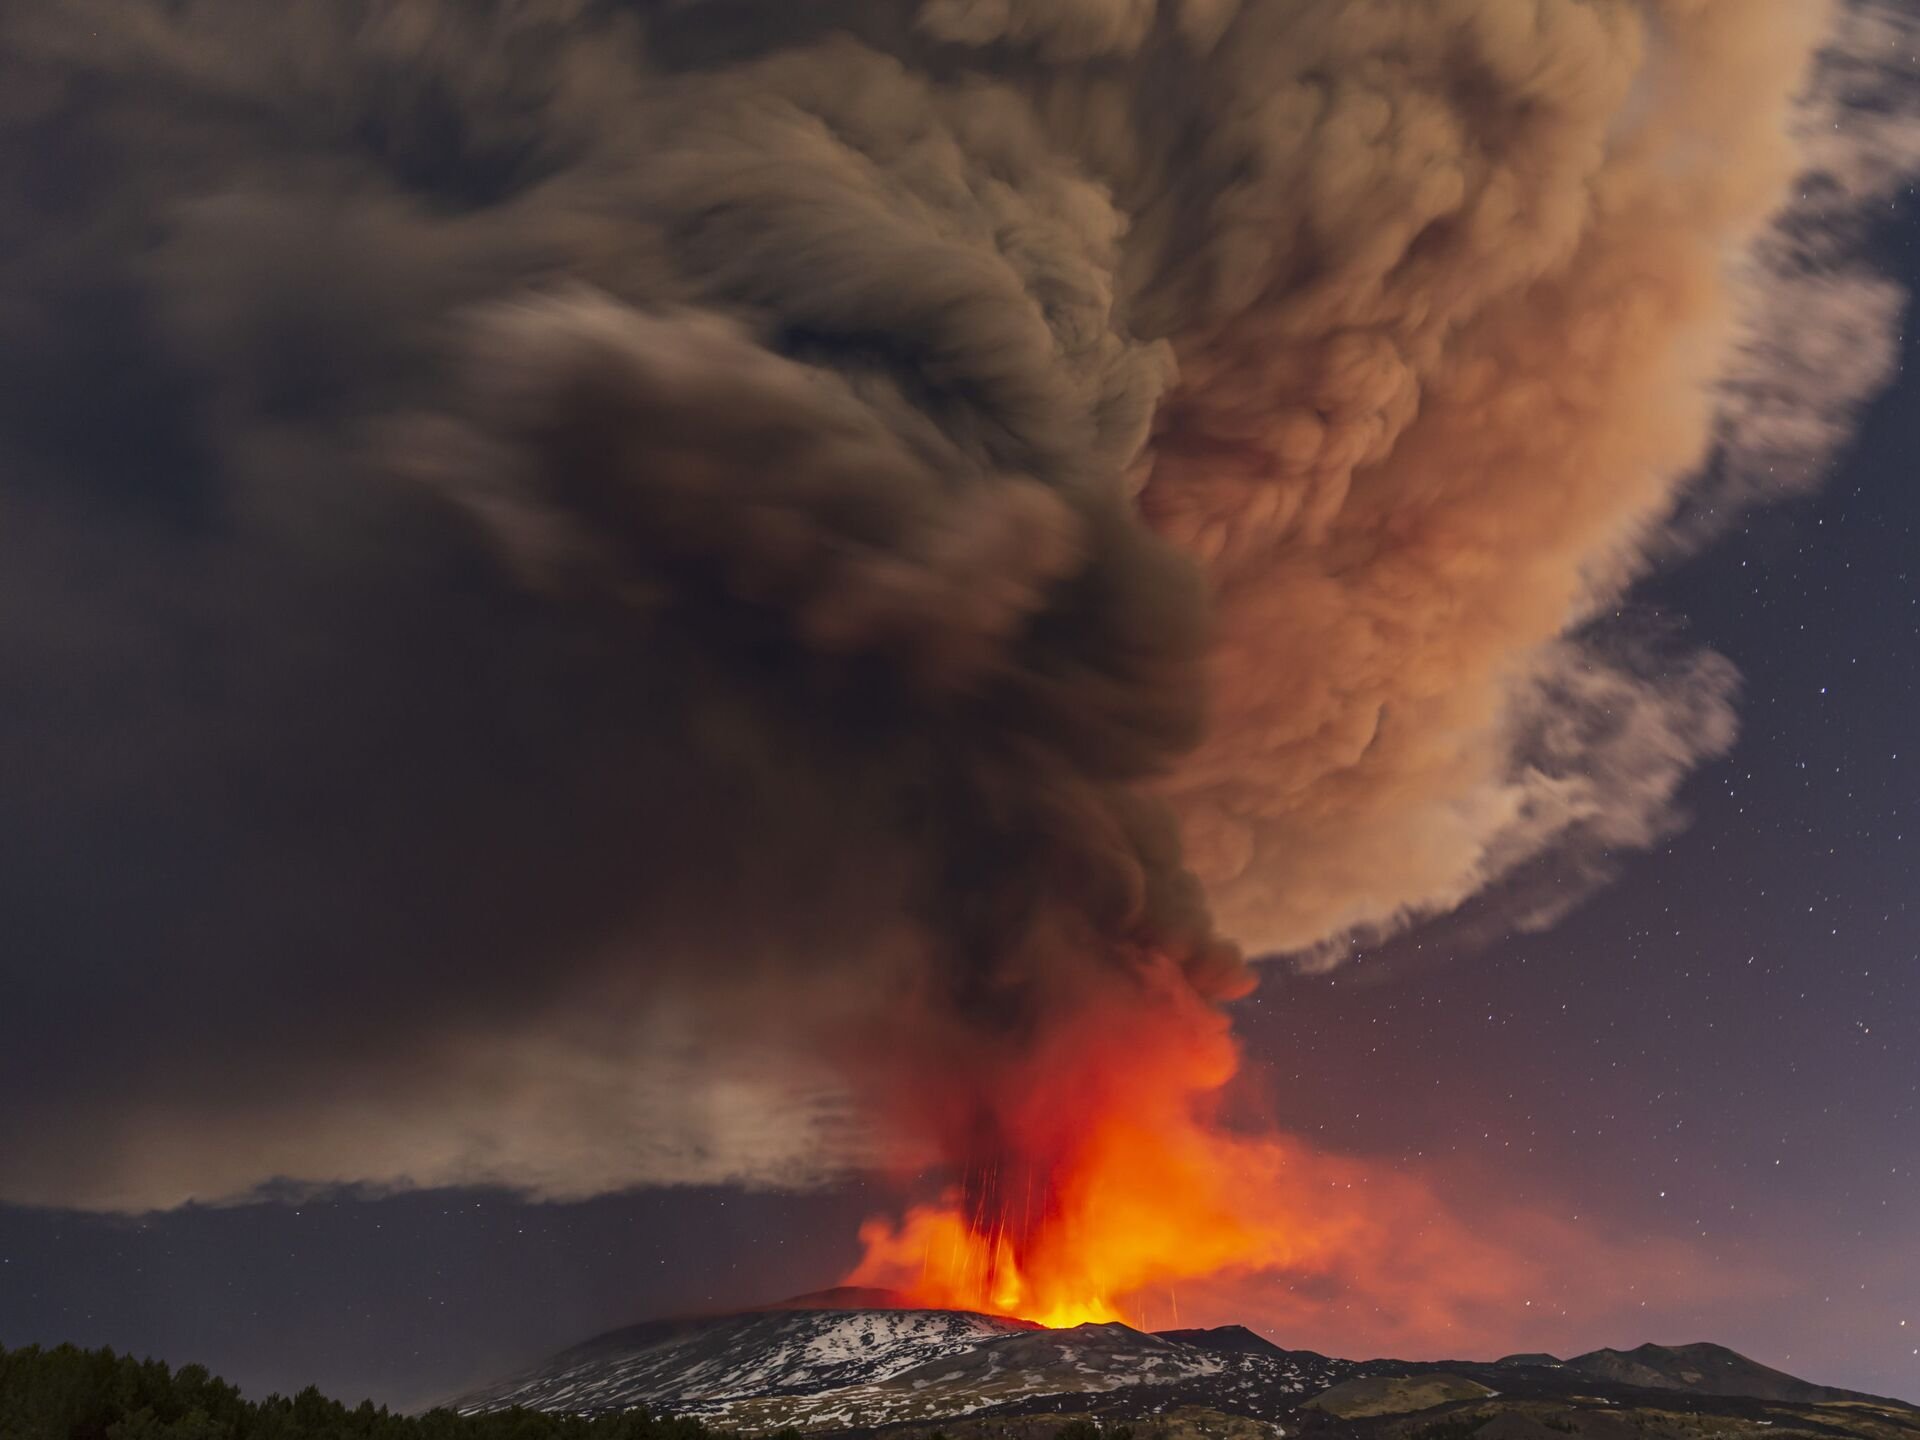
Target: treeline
{"points": [[65, 1393]]}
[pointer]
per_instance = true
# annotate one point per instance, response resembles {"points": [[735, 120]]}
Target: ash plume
{"points": [[600, 593]]}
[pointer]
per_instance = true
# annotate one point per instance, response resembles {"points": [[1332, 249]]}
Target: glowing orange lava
{"points": [[1108, 1179]]}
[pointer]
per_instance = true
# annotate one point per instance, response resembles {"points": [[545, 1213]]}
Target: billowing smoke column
{"points": [[609, 593]]}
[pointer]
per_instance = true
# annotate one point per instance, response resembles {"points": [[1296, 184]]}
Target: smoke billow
{"points": [[601, 593]]}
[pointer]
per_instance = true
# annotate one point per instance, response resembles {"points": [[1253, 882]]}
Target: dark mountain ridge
{"points": [[1231, 1339], [1704, 1369]]}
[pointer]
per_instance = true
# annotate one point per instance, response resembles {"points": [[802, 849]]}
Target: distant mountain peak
{"points": [[1704, 1369], [1230, 1339]]}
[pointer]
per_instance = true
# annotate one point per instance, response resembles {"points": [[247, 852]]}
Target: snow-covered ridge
{"points": [[699, 1366], [843, 1368]]}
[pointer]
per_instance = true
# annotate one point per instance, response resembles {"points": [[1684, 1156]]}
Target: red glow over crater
{"points": [[1106, 1179]]}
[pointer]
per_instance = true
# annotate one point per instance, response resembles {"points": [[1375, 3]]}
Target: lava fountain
{"points": [[1101, 1174]]}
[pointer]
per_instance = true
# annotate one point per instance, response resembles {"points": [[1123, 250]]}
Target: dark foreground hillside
{"points": [[65, 1393]]}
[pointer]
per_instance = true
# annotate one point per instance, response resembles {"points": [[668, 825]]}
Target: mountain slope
{"points": [[822, 1368], [911, 1373], [1235, 1340], [1109, 1370], [701, 1366], [1704, 1370]]}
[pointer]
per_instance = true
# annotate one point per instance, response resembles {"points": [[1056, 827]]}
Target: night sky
{"points": [[1715, 1051]]}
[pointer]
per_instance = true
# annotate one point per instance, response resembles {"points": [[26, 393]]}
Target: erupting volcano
{"points": [[1118, 1166], [1100, 1171], [612, 596]]}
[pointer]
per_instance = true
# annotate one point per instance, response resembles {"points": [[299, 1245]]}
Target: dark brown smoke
{"points": [[591, 592]]}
